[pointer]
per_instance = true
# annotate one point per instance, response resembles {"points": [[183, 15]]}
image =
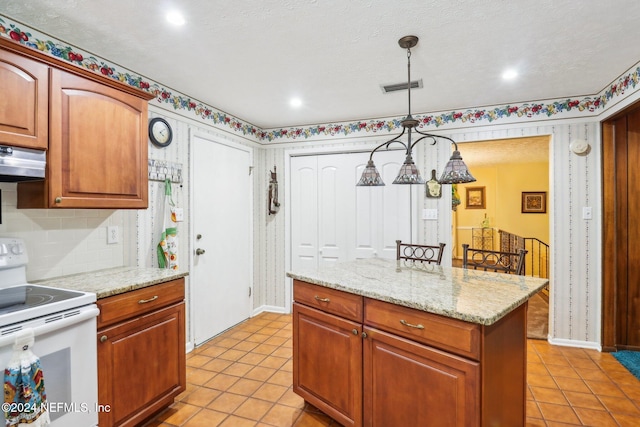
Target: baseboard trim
{"points": [[575, 343], [269, 309]]}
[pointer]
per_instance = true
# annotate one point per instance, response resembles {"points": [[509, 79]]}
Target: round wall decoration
{"points": [[160, 132]]}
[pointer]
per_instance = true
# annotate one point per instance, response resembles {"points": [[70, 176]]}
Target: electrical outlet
{"points": [[586, 212], [113, 234]]}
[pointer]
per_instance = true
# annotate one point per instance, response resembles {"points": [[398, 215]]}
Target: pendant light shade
{"points": [[455, 171], [370, 176], [409, 173]]}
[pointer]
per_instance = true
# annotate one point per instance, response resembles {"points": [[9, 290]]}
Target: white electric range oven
{"points": [[64, 328]]}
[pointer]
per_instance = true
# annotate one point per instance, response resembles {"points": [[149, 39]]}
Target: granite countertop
{"points": [[470, 295], [113, 281]]}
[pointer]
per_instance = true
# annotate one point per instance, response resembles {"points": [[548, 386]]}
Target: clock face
{"points": [[160, 132]]}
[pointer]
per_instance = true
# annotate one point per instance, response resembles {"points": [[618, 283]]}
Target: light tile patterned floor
{"points": [[243, 378]]}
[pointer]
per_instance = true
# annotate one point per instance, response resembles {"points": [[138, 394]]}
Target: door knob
{"points": [[199, 251]]}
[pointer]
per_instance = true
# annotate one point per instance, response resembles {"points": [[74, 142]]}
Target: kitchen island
{"points": [[384, 343]]}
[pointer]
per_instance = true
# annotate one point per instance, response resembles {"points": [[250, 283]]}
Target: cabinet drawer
{"points": [[340, 303], [130, 304], [452, 335]]}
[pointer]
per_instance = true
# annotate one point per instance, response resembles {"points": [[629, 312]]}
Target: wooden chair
{"points": [[482, 259], [423, 253]]}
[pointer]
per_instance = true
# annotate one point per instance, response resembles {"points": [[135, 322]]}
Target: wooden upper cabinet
{"points": [[93, 127], [97, 148], [24, 101]]}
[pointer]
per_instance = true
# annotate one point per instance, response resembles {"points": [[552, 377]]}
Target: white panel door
{"points": [[221, 277], [383, 214], [333, 220], [334, 204], [395, 207], [304, 205]]}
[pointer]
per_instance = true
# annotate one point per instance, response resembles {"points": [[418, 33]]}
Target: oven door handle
{"points": [[53, 325]]}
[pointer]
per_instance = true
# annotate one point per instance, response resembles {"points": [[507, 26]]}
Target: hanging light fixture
{"points": [[455, 172]]}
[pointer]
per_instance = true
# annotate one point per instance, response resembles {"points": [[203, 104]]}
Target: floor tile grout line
{"points": [[264, 329]]}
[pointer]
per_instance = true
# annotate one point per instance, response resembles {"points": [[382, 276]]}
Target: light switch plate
{"points": [[430, 214]]}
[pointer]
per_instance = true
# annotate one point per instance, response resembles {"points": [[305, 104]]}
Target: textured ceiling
{"points": [[501, 151], [248, 58]]}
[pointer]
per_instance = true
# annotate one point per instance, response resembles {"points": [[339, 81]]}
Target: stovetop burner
{"points": [[28, 296]]}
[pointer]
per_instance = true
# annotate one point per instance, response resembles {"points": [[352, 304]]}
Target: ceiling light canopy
{"points": [[454, 172]]}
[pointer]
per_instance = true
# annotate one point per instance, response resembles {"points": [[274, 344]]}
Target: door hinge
{"points": [[250, 169], [249, 290]]}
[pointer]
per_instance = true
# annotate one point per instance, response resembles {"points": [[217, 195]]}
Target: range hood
{"points": [[21, 164]]}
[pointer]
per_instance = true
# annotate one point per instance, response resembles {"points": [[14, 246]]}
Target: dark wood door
{"points": [[327, 361], [621, 244], [410, 384]]}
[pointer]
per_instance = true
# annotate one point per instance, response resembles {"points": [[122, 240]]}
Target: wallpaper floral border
{"points": [[588, 105]]}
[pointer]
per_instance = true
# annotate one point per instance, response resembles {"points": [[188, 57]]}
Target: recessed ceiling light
{"points": [[174, 17], [510, 74], [295, 102]]}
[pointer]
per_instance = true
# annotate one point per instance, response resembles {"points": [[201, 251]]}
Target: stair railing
{"points": [[537, 260]]}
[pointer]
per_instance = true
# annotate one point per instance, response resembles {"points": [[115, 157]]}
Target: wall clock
{"points": [[160, 132]]}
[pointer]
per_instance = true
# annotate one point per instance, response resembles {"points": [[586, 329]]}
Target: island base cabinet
{"points": [[327, 361], [141, 366], [410, 384]]}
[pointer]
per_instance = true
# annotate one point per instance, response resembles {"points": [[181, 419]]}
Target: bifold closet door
{"points": [[333, 220]]}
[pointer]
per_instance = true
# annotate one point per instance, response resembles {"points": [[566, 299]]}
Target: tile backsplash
{"points": [[63, 241]]}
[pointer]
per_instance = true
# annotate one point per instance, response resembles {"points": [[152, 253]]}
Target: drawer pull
{"points": [[103, 338], [322, 299], [405, 323], [144, 301]]}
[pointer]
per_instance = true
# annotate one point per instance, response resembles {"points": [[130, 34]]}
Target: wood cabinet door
{"points": [[141, 366], [410, 384], [327, 361], [24, 101], [98, 145]]}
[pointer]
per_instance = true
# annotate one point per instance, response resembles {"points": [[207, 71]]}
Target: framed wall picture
{"points": [[534, 202], [475, 198]]}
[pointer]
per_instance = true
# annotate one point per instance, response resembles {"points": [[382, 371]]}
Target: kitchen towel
{"points": [[24, 396], [168, 246]]}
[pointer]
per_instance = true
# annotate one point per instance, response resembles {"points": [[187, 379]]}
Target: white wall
{"points": [[575, 243]]}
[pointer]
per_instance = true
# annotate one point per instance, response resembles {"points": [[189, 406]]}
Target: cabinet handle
{"points": [[144, 301], [355, 331], [322, 299], [364, 335], [405, 323], [103, 338], [58, 199]]}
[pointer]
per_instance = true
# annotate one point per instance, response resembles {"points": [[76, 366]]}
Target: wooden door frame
{"points": [[614, 254]]}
